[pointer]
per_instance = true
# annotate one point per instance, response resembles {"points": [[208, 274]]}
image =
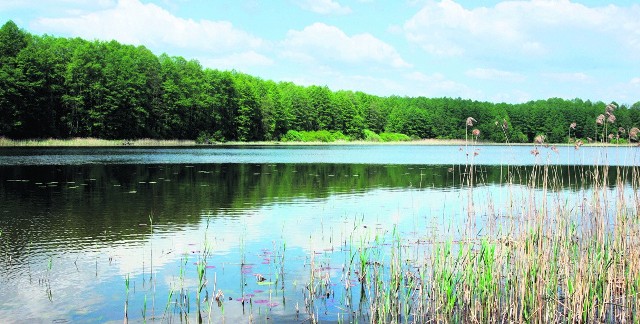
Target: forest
{"points": [[54, 87]]}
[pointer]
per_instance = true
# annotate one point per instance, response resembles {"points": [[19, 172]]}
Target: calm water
{"points": [[76, 223]]}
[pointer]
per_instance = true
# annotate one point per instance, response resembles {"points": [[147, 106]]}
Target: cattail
{"points": [[539, 139], [611, 119], [470, 121], [600, 119], [573, 125], [475, 132]]}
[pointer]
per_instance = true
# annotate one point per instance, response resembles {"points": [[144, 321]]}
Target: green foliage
{"points": [[63, 88], [314, 136], [370, 136], [394, 137]]}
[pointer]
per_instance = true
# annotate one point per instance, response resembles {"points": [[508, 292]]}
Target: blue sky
{"points": [[499, 51]]}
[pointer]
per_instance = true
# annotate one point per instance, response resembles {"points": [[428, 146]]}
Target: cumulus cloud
{"points": [[320, 42], [527, 29], [493, 74], [324, 7], [133, 22]]}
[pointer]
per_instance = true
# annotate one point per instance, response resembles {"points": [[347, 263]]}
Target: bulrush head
{"points": [[633, 133]]}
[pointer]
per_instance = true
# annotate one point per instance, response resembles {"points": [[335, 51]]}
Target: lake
{"points": [[265, 234]]}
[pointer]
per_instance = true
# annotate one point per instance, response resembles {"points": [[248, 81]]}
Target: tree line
{"points": [[53, 87]]}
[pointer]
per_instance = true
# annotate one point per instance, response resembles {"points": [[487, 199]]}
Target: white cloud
{"points": [[239, 61], [133, 22], [493, 74], [569, 77], [542, 28], [324, 7], [319, 42]]}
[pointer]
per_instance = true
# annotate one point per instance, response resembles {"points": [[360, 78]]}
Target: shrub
{"points": [[394, 137], [371, 136]]}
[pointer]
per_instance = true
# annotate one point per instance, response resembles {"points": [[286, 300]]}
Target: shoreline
{"points": [[94, 142]]}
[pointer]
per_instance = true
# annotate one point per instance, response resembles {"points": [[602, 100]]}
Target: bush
{"points": [[206, 138], [292, 136], [394, 137], [370, 136]]}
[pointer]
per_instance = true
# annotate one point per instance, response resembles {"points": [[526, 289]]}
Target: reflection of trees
{"points": [[98, 203]]}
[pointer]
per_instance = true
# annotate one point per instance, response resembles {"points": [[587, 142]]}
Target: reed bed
{"points": [[546, 255]]}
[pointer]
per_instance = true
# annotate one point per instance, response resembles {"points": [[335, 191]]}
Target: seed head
{"points": [[475, 132], [611, 119], [573, 125], [539, 139], [505, 125], [633, 133], [578, 144], [610, 108], [621, 130], [600, 119], [470, 121]]}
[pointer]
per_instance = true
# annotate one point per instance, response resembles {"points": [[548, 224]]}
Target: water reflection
{"points": [[72, 233]]}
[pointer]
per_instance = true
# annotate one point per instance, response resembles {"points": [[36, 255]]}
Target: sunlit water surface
{"points": [[76, 224]]}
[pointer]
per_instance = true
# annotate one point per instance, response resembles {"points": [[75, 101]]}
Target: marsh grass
{"points": [[547, 255]]}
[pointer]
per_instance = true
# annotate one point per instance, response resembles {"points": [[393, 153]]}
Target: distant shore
{"points": [[94, 142]]}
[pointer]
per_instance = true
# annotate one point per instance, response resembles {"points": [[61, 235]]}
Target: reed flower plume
{"points": [[633, 133], [471, 121]]}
